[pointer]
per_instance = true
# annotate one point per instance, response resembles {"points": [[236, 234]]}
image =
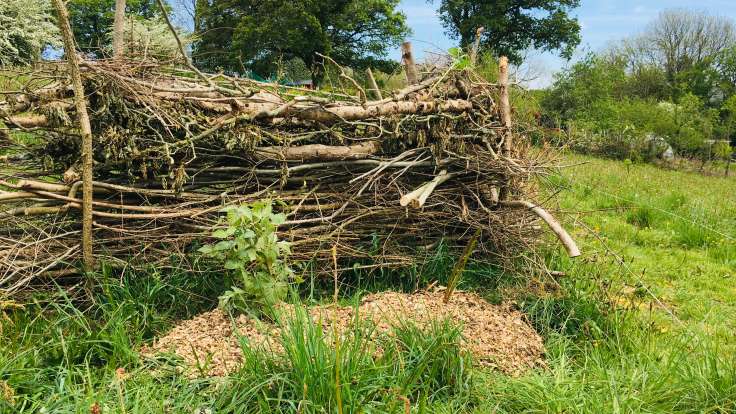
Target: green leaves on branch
{"points": [[460, 59], [249, 247]]}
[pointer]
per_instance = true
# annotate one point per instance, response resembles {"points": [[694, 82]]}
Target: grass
{"points": [[643, 323]]}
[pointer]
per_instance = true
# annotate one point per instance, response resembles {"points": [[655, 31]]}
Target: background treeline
{"points": [[673, 85]]}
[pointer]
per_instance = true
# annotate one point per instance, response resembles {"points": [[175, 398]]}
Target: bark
{"points": [[315, 152], [503, 78], [85, 128], [354, 113]]}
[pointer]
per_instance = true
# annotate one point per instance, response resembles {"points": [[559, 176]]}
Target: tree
{"points": [[512, 26], [680, 40], [118, 28], [26, 28], [242, 35], [92, 20], [148, 39]]}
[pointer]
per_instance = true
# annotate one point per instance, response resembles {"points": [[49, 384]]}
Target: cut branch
{"points": [[86, 129], [562, 235]]}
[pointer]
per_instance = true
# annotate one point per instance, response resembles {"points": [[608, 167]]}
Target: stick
{"points": [[188, 61], [86, 129], [418, 197], [457, 271], [409, 66], [565, 239], [373, 84]]}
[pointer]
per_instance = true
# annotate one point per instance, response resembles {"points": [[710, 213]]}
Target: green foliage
{"points": [[512, 27], [26, 28], [460, 60], [255, 35], [596, 99], [249, 247], [643, 216], [92, 20]]}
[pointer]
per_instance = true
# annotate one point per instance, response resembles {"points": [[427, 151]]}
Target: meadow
{"points": [[642, 323]]}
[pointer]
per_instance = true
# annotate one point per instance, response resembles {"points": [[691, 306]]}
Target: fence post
{"points": [[503, 80], [409, 66]]}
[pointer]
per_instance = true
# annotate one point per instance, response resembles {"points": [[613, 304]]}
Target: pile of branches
{"points": [[382, 179]]}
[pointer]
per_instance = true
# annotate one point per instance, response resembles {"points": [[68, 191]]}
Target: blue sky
{"points": [[602, 21]]}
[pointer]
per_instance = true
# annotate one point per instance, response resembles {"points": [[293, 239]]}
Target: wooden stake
{"points": [[118, 32], [86, 129], [476, 45], [373, 84], [503, 80], [409, 66]]}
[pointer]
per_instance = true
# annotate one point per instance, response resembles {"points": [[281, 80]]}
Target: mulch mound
{"points": [[497, 335]]}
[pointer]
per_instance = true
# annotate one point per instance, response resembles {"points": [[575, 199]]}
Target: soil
{"points": [[497, 335]]}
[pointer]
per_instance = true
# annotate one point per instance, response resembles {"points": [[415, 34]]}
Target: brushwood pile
{"points": [[384, 181]]}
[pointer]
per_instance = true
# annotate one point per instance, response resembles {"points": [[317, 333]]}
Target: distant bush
{"points": [[606, 107]]}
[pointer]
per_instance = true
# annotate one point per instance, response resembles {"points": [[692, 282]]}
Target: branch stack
{"points": [[382, 180]]}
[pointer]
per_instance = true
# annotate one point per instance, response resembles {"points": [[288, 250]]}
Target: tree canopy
{"points": [[26, 28], [91, 20], [256, 35], [512, 26]]}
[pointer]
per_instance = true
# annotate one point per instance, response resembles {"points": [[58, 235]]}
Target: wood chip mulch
{"points": [[497, 335]]}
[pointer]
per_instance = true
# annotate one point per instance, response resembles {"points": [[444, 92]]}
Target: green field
{"points": [[643, 322]]}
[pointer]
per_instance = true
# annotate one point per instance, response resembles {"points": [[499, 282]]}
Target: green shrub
{"points": [[250, 248]]}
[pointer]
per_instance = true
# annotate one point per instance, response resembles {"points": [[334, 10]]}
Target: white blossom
{"points": [[27, 27]]}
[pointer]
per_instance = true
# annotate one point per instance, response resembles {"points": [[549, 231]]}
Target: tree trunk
{"points": [[86, 130], [118, 34]]}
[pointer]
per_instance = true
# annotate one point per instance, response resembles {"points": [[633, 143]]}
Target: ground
{"points": [[643, 322]]}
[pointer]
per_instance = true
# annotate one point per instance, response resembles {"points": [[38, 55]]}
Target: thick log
{"points": [[476, 45], [354, 113], [321, 152], [29, 121]]}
